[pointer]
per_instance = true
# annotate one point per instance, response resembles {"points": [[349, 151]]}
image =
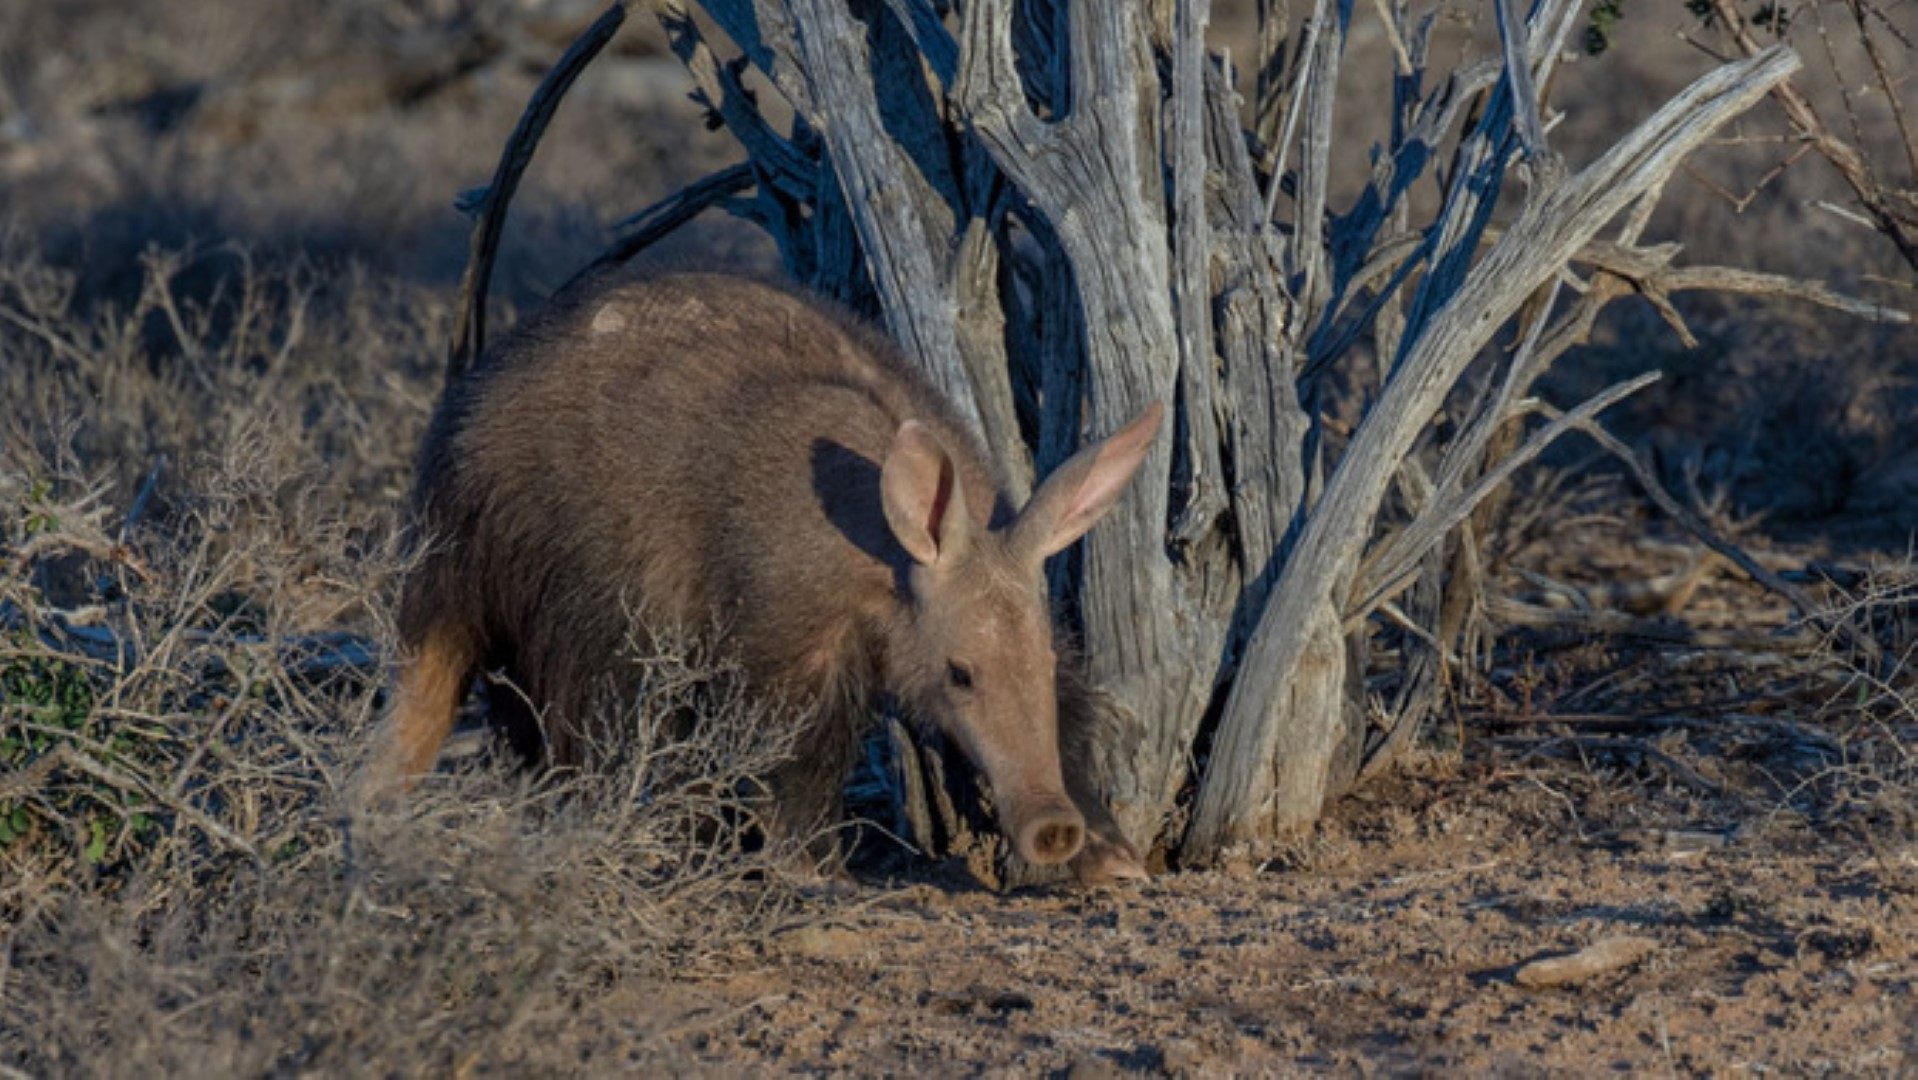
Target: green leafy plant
{"points": [[48, 706], [1604, 19], [37, 693]]}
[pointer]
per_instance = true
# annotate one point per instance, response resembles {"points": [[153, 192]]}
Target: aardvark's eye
{"points": [[959, 675]]}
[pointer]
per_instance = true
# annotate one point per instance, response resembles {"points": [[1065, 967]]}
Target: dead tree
{"points": [[1058, 211]]}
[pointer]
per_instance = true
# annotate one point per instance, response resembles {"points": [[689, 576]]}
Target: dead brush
{"points": [[190, 662], [1870, 709], [1722, 708], [211, 348]]}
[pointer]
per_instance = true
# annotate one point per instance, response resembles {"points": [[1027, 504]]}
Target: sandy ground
{"points": [[1390, 945]]}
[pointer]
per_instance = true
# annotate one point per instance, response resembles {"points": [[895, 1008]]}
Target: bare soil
{"points": [[1390, 948]]}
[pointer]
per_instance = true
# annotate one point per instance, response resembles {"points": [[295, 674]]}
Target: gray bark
{"points": [[1060, 237]]}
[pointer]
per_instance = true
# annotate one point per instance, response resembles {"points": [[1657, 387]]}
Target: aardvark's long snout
{"points": [[1029, 794]]}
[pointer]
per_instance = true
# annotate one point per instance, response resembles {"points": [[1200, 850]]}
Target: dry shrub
{"points": [[1625, 664], [209, 355], [1870, 708], [190, 661]]}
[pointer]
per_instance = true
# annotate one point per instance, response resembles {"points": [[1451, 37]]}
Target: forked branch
{"points": [[1885, 216]]}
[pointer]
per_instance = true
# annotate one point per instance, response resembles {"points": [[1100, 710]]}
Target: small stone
{"points": [[1608, 954], [609, 320], [824, 942]]}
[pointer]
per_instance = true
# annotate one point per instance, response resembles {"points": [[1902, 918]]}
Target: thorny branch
{"points": [[1900, 227]]}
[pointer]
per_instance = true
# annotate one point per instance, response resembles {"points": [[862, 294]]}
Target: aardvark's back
{"points": [[697, 445]]}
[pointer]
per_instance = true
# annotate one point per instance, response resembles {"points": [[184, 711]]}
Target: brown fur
{"points": [[697, 448]]}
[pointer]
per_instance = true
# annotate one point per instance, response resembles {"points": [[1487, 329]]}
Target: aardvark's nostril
{"points": [[1055, 841]]}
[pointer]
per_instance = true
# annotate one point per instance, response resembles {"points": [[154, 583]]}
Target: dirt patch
{"points": [[1392, 946]]}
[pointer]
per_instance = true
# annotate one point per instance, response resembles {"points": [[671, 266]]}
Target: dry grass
{"points": [[1869, 708], [186, 689]]}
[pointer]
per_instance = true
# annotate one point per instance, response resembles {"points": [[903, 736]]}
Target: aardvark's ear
{"points": [[1080, 492], [919, 486]]}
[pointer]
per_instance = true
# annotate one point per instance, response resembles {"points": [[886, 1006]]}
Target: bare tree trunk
{"points": [[1060, 236]]}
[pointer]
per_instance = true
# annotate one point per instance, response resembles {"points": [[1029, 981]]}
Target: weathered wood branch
{"points": [[1239, 798], [1391, 567], [1448, 603], [1307, 263], [663, 218], [1269, 87], [904, 223], [717, 87], [1205, 495], [1660, 279], [765, 32]]}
